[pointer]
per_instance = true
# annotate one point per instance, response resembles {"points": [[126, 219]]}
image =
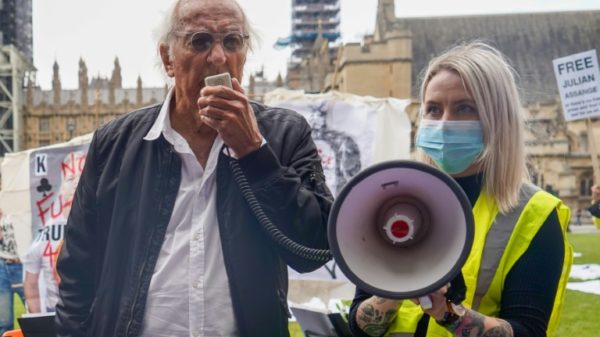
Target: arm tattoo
{"points": [[380, 300], [473, 325], [375, 322], [503, 330]]}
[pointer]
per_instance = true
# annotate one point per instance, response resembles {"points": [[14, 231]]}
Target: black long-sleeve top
{"points": [[530, 286]]}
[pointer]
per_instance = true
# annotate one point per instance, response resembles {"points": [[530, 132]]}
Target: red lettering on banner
{"points": [[50, 253], [72, 166], [42, 210], [55, 207]]}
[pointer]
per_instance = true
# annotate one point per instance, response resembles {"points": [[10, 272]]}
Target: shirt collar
{"points": [[162, 122], [162, 125]]}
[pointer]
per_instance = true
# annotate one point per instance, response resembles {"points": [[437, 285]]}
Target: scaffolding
{"points": [[14, 70], [311, 18]]}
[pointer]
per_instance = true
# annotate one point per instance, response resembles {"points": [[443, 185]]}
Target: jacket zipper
{"points": [[137, 291]]}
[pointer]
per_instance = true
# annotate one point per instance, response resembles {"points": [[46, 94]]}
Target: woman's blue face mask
{"points": [[453, 145]]}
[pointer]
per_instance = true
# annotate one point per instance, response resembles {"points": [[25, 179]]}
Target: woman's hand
{"points": [[438, 301]]}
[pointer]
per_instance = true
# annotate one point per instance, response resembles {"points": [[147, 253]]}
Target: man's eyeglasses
{"points": [[202, 42]]}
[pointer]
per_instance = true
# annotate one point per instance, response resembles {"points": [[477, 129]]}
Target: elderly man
{"points": [[160, 240]]}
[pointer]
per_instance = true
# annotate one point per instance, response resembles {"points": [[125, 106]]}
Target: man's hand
{"points": [[596, 193], [230, 114]]}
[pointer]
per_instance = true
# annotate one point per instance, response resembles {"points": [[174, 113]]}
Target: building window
{"points": [[585, 185], [71, 126], [44, 124], [44, 142], [583, 139]]}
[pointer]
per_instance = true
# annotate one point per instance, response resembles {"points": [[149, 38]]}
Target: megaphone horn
{"points": [[403, 220], [401, 229]]}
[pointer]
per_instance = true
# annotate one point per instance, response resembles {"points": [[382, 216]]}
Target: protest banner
{"points": [[578, 78], [351, 133]]}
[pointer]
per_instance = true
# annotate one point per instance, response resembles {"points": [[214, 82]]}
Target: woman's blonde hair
{"points": [[489, 78]]}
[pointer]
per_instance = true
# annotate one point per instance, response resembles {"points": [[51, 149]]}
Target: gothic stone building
{"points": [[390, 61], [386, 63], [57, 115]]}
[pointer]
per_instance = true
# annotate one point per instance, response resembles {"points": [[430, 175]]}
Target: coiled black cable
{"points": [[267, 226]]}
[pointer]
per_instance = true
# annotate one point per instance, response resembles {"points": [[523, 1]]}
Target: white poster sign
{"points": [[351, 133], [578, 78], [54, 170]]}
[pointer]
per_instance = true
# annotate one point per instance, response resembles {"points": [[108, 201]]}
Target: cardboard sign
{"points": [[578, 78], [54, 176]]}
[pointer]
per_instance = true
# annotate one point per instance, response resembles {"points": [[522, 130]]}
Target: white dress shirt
{"points": [[189, 291]]}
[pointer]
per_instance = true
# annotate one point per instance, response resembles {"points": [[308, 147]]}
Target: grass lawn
{"points": [[588, 244], [580, 312], [579, 315], [19, 310]]}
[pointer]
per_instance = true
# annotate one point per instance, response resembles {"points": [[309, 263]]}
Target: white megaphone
{"points": [[401, 229]]}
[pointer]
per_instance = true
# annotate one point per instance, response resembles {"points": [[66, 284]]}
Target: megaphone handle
{"points": [[425, 302]]}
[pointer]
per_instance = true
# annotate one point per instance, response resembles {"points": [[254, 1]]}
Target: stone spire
{"points": [[97, 106], [279, 81], [386, 15], [387, 25], [116, 78], [111, 94], [29, 93], [139, 99], [56, 86], [83, 84]]}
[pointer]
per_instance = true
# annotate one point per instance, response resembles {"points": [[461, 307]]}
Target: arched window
{"points": [[585, 184], [583, 139]]}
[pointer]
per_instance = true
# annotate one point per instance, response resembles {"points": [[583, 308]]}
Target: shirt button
{"points": [[196, 236], [197, 284]]}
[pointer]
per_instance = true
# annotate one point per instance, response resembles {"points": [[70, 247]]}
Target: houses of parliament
{"points": [[385, 64]]}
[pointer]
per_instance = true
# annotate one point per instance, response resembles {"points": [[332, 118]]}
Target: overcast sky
{"points": [[100, 30]]}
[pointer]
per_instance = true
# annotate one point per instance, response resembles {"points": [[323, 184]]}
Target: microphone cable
{"points": [[276, 235]]}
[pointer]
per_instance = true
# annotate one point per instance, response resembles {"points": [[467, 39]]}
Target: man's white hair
{"points": [[172, 23]]}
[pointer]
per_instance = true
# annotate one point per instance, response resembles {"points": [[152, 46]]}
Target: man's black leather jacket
{"points": [[124, 202]]}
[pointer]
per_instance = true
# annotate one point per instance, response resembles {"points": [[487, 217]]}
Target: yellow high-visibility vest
{"points": [[499, 241]]}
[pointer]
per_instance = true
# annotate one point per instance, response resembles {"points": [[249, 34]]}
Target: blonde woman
{"points": [[471, 127]]}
